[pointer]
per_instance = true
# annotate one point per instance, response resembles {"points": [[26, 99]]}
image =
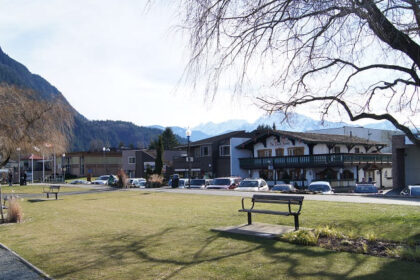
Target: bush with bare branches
{"points": [[155, 181], [122, 179], [14, 211]]}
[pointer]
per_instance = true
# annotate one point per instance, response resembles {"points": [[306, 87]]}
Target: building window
{"points": [[347, 175], [336, 150], [264, 153], [297, 151], [204, 151], [357, 150], [131, 160], [224, 150], [279, 152]]}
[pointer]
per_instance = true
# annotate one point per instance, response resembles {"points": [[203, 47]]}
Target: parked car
{"points": [[224, 183], [320, 187], [366, 188], [253, 185], [412, 190], [135, 182], [183, 183], [81, 182], [103, 180], [284, 188], [199, 183], [141, 184]]}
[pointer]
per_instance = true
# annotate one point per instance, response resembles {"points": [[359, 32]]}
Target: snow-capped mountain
{"points": [[297, 122]]}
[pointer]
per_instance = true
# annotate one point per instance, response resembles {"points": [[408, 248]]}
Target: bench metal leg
{"points": [[296, 222], [249, 219], [48, 195], [56, 196]]}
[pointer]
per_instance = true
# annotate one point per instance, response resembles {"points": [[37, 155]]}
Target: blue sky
{"points": [[114, 60], [118, 60]]}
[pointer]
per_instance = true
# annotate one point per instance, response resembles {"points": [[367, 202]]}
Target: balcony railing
{"points": [[321, 160]]}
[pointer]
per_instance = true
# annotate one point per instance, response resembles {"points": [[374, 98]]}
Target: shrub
{"points": [[122, 179], [365, 248], [371, 237], [394, 252], [155, 181], [14, 213], [303, 237], [327, 231]]}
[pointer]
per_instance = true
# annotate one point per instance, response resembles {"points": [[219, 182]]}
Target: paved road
{"points": [[334, 198], [13, 267], [356, 198]]}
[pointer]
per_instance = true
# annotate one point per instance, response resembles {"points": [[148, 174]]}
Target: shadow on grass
{"points": [[36, 200], [284, 260]]}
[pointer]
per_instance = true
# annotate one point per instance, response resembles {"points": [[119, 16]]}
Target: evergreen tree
{"points": [[274, 126], [159, 157], [263, 127], [153, 144], [169, 139]]}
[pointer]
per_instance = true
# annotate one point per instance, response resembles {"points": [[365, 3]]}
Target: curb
{"points": [[31, 266]]}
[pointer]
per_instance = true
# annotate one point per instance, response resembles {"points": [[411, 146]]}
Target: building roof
{"points": [[211, 140], [168, 155], [34, 157], [311, 138]]}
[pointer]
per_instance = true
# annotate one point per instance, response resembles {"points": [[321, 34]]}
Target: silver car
{"points": [[199, 183], [413, 190], [252, 185]]}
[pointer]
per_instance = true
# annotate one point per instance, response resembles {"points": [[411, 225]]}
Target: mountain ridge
{"points": [[85, 131]]}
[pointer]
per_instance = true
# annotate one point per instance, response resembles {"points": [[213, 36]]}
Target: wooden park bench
{"points": [[54, 189], [274, 199]]}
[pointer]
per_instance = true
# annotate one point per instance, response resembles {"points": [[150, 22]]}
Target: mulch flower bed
{"points": [[359, 245], [332, 240]]}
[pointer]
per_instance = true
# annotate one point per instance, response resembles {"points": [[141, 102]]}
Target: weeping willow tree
{"points": [[27, 122], [355, 58]]}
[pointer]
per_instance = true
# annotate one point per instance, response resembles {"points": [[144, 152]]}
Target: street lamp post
{"points": [[188, 134], [32, 165], [63, 169], [18, 149], [43, 167], [33, 175], [104, 149]]}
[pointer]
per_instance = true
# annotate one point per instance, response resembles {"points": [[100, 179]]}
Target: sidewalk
{"points": [[12, 267]]}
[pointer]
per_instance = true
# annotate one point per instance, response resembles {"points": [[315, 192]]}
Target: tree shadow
{"points": [[113, 250]]}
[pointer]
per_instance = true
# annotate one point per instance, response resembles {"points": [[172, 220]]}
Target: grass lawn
{"points": [[140, 235], [36, 189]]}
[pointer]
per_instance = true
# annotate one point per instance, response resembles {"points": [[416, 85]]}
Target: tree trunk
{"points": [[1, 205]]}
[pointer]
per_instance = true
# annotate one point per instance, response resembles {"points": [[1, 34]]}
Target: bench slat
{"points": [[278, 201], [265, 212], [261, 197]]}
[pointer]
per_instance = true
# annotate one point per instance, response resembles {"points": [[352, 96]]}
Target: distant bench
{"points": [[274, 199], [54, 189]]}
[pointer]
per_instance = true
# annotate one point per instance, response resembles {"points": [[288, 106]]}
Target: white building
{"points": [[371, 134], [304, 157]]}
